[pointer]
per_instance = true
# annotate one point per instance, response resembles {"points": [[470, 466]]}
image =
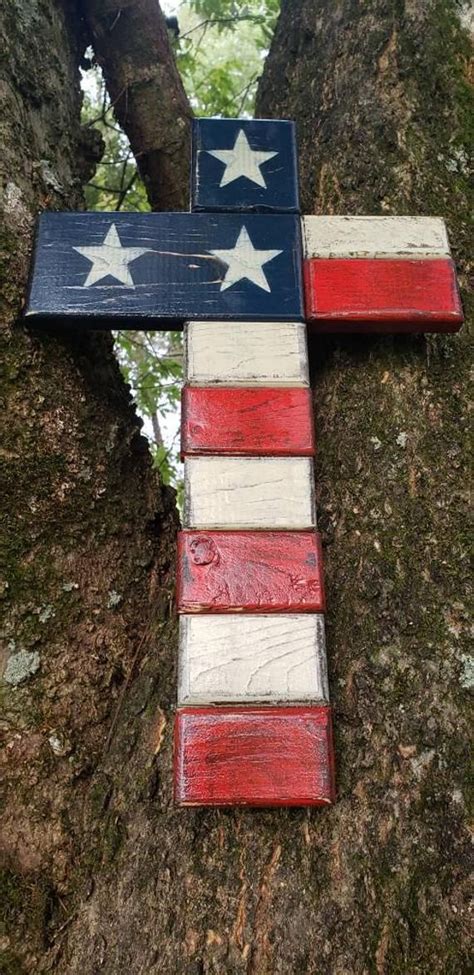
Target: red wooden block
{"points": [[382, 295], [247, 421], [255, 756], [258, 571]]}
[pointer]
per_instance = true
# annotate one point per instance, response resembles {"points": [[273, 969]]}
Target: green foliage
{"points": [[151, 363], [219, 53], [116, 184]]}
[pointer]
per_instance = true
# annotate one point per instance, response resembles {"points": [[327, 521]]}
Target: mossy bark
{"points": [[87, 533], [381, 95], [102, 873]]}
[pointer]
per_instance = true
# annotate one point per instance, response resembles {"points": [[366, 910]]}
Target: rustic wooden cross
{"points": [[253, 724]]}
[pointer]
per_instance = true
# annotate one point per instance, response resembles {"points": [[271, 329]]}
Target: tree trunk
{"points": [[102, 873], [131, 44], [87, 532], [380, 95]]}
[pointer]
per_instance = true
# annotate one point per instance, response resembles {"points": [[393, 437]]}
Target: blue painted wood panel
{"points": [[245, 165], [156, 270]]}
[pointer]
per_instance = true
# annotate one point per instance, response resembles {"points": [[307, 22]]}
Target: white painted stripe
{"points": [[246, 354], [249, 492], [374, 237], [243, 659]]}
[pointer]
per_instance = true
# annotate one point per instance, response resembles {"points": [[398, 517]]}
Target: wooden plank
{"points": [[249, 492], [154, 270], [387, 296], [246, 354], [245, 659], [266, 756], [222, 420], [374, 237], [265, 572], [244, 165]]}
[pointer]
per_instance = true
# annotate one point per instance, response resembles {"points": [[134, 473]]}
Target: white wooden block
{"points": [[243, 659], [249, 492], [246, 354], [374, 237]]}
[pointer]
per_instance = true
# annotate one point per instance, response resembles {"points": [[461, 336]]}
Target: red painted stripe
{"points": [[255, 756], [383, 295], [247, 421], [260, 572]]}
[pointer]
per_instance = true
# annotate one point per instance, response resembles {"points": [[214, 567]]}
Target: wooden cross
{"points": [[253, 723]]}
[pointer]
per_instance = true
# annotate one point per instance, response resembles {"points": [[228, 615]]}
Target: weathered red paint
{"points": [[260, 572], [247, 421], [254, 756], [382, 295]]}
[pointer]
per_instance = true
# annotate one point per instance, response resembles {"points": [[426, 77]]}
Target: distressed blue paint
{"points": [[279, 173], [176, 279]]}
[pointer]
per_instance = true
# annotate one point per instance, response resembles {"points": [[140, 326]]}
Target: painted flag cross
{"points": [[242, 272]]}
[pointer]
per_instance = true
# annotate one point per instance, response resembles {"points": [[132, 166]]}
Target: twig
{"points": [[245, 95], [210, 21], [126, 189], [105, 111]]}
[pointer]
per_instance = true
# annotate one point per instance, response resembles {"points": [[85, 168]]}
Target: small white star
{"points": [[242, 161], [245, 261], [110, 258]]}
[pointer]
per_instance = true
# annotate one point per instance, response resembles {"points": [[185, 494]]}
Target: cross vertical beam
{"points": [[253, 725]]}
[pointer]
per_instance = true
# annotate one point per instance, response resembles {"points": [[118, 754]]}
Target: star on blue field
{"points": [[245, 165]]}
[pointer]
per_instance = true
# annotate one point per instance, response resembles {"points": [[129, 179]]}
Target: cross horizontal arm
{"points": [[155, 270]]}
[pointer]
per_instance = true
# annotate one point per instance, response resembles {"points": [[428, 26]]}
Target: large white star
{"points": [[244, 261], [242, 161], [110, 258]]}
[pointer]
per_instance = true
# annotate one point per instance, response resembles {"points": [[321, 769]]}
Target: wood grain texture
{"points": [[387, 296], [249, 492], [266, 572], [164, 268], [374, 237], [244, 165], [246, 353], [254, 756], [245, 659], [223, 420]]}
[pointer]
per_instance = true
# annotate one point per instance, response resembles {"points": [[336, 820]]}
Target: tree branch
{"points": [[131, 45]]}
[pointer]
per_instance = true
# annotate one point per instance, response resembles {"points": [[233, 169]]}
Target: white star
{"points": [[244, 261], [110, 258], [242, 161]]}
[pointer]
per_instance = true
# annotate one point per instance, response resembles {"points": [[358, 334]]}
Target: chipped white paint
{"points": [[246, 354], [111, 259], [243, 659], [244, 262], [241, 160], [374, 237], [249, 492]]}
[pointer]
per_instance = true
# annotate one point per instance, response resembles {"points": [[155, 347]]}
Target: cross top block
{"points": [[244, 165]]}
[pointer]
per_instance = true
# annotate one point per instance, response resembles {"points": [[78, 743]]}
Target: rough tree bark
{"points": [[87, 533], [102, 874]]}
